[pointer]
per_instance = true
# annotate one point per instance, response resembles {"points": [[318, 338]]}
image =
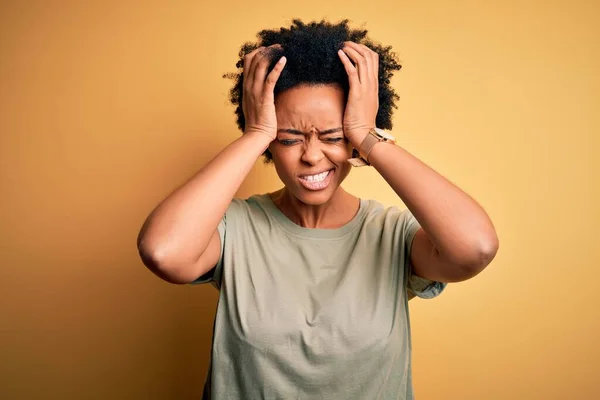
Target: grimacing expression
{"points": [[310, 152]]}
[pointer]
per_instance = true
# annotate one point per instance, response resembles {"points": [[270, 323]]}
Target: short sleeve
{"points": [[415, 285], [214, 275]]}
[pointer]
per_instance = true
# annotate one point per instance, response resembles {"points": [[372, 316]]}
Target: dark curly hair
{"points": [[311, 52]]}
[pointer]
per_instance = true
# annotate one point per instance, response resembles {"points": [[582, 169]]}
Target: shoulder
{"points": [[254, 208], [389, 217]]}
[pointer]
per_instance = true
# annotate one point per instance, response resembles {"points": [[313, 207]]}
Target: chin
{"points": [[314, 198]]}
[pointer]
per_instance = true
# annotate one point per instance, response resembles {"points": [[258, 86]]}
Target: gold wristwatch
{"points": [[361, 155]]}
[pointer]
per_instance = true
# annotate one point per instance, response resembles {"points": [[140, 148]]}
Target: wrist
{"points": [[365, 143], [259, 140], [357, 137], [260, 136]]}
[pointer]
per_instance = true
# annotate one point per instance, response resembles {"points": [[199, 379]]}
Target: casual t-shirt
{"points": [[313, 313]]}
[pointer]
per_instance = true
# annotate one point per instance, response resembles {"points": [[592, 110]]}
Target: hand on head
{"points": [[258, 101], [363, 99]]}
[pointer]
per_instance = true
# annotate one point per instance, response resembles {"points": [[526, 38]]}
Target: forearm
{"points": [[457, 225], [179, 229], [459, 232]]}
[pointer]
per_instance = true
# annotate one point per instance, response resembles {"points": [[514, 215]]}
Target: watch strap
{"points": [[364, 149], [367, 145]]}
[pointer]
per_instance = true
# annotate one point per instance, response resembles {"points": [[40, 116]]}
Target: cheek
{"points": [[284, 162], [337, 153], [282, 155], [342, 154]]}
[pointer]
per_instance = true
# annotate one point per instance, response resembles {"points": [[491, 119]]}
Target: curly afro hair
{"points": [[312, 59]]}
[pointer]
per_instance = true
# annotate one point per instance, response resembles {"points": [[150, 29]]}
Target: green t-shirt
{"points": [[313, 313]]}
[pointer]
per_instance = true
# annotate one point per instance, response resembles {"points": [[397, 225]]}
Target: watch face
{"points": [[385, 135]]}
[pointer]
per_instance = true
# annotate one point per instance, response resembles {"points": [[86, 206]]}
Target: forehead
{"points": [[315, 104]]}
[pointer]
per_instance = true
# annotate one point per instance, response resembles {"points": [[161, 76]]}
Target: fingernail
{"points": [[282, 60]]}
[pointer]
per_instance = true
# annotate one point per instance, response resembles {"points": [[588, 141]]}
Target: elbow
{"points": [[488, 249], [161, 265], [147, 251], [152, 259], [481, 255], [152, 249], [155, 256]]}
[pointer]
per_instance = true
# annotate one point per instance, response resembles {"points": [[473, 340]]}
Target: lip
{"points": [[315, 173], [316, 186]]}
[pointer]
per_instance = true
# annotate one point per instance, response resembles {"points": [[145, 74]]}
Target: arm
{"points": [[177, 232], [179, 240], [457, 239]]}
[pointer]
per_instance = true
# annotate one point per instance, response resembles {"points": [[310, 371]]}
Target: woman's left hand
{"points": [[363, 99]]}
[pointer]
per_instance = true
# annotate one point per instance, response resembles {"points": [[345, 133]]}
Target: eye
{"points": [[333, 140], [288, 142]]}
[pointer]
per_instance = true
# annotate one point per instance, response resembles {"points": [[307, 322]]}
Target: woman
{"points": [[314, 281]]}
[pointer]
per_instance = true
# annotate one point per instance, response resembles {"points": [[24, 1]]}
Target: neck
{"points": [[335, 213]]}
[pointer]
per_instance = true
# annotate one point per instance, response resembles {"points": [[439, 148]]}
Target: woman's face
{"points": [[310, 150]]}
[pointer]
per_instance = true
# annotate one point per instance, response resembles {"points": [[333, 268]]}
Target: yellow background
{"points": [[106, 106]]}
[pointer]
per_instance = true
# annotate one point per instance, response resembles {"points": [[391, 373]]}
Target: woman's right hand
{"points": [[258, 99]]}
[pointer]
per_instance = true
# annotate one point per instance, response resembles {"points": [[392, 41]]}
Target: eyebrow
{"points": [[297, 132]]}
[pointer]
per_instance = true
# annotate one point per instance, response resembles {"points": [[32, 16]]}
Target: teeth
{"points": [[316, 178]]}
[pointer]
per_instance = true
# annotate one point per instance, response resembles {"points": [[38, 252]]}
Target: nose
{"points": [[313, 153]]}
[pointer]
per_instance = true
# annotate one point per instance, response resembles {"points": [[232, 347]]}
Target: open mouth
{"points": [[317, 181]]}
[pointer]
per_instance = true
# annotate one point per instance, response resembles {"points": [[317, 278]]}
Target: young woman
{"points": [[314, 281]]}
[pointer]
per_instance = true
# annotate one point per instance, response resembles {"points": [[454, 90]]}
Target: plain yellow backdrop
{"points": [[106, 106]]}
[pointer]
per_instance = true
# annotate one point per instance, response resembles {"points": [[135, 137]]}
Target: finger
{"points": [[360, 48], [273, 76], [350, 69], [248, 66], [374, 57], [371, 56], [258, 60], [376, 66], [259, 64], [361, 52], [247, 74], [248, 60], [361, 63], [262, 67]]}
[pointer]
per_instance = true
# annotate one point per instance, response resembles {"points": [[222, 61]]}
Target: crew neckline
{"points": [[314, 233]]}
